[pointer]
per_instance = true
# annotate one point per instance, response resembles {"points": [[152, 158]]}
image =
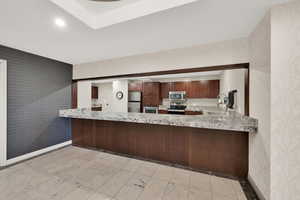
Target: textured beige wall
{"points": [[234, 80], [285, 102], [259, 144], [227, 52]]}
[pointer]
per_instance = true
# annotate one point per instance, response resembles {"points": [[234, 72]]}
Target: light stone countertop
{"points": [[231, 121]]}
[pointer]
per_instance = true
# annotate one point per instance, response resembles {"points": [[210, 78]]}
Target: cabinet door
{"points": [[74, 95], [204, 89], [193, 113], [162, 111], [103, 136], [180, 86], [156, 93], [151, 94], [94, 92], [194, 89], [164, 90], [147, 100], [147, 88], [214, 88], [83, 132], [177, 145]]}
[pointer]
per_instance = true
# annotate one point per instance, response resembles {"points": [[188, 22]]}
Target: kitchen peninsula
{"points": [[215, 142]]}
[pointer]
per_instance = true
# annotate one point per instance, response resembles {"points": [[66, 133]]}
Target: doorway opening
{"points": [[3, 112]]}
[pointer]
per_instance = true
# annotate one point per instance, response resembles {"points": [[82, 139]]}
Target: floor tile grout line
{"points": [[189, 187], [125, 185], [133, 172]]}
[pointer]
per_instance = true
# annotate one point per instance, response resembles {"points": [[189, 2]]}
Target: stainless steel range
{"points": [[177, 102]]}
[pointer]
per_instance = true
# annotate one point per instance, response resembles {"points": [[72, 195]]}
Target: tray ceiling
{"points": [[101, 14], [29, 26]]}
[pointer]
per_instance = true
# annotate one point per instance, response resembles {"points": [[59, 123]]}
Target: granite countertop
{"points": [[206, 109], [222, 121]]}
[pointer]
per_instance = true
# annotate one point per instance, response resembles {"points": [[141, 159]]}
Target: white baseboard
{"points": [[256, 189], [37, 153]]}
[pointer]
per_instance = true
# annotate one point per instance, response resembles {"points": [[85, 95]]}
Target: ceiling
{"points": [[28, 25], [100, 7], [98, 15]]}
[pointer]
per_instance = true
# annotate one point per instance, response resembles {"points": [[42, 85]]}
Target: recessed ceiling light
{"points": [[60, 22]]}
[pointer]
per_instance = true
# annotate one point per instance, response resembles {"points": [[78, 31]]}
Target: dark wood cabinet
{"points": [[83, 133], [193, 113], [103, 138], [96, 108], [162, 112], [135, 86], [194, 89], [165, 88], [94, 92], [197, 89], [151, 94], [74, 94], [177, 145], [219, 151], [180, 86], [203, 89], [154, 92], [214, 88]]}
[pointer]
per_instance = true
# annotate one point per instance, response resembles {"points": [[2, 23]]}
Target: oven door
{"points": [[153, 110]]}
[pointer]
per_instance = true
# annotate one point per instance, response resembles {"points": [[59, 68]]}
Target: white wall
{"points": [[234, 80], [259, 144], [3, 112], [107, 95], [120, 105], [84, 92], [285, 101], [221, 53], [105, 91]]}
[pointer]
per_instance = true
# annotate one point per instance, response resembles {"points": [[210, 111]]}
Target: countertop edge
{"points": [[211, 122]]}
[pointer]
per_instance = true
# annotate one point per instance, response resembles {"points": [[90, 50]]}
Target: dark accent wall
{"points": [[37, 89]]}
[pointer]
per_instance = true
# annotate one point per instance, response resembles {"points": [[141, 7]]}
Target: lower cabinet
{"points": [[83, 133], [162, 112], [219, 151], [193, 113]]}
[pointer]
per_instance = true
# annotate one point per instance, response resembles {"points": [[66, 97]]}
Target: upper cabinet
{"points": [[154, 92], [203, 89], [214, 88], [198, 89], [165, 88], [151, 93], [180, 86], [94, 92], [74, 95], [194, 89]]}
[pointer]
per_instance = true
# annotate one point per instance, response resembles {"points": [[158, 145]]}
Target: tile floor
{"points": [[75, 173]]}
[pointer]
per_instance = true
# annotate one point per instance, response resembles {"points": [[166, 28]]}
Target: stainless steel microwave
{"points": [[177, 95]]}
